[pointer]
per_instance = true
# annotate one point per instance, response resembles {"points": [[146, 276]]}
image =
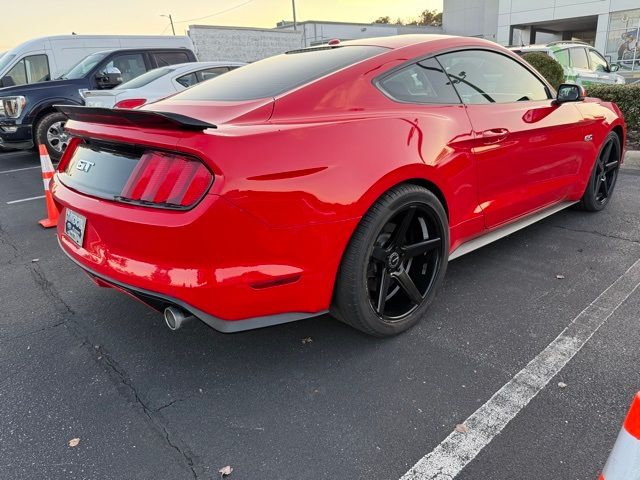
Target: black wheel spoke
{"points": [[383, 290], [609, 167], [421, 248], [606, 153], [605, 188], [379, 254], [405, 282], [399, 236]]}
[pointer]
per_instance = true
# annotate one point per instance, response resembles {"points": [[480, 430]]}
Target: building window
{"points": [[623, 46]]}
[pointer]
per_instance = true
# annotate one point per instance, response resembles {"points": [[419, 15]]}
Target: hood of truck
{"points": [[41, 88]]}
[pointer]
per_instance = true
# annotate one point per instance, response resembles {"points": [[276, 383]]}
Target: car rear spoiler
{"points": [[137, 118]]}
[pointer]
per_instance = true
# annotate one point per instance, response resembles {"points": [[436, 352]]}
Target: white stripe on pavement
{"points": [[18, 170], [24, 200], [456, 451]]}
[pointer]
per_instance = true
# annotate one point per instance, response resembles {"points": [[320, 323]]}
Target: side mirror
{"points": [[570, 92], [108, 80], [8, 81], [614, 68]]}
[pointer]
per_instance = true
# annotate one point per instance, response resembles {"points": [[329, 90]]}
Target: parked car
{"points": [[335, 178], [27, 113], [47, 58], [582, 64], [157, 84]]}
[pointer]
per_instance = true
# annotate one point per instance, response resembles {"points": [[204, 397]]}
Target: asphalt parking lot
{"points": [[80, 362]]}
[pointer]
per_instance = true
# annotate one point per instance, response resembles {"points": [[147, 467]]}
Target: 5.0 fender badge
{"points": [[588, 138]]}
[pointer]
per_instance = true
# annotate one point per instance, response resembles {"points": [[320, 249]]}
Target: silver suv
{"points": [[582, 63]]}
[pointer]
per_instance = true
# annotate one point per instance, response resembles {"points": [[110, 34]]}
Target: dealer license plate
{"points": [[74, 224]]}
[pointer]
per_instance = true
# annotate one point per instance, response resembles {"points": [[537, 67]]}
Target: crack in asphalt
{"points": [[173, 402], [595, 232], [26, 334], [5, 239], [112, 367]]}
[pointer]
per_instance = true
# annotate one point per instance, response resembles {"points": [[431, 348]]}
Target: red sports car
{"points": [[338, 178]]}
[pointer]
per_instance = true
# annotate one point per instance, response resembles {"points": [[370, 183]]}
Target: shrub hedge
{"points": [[547, 66], [627, 97]]}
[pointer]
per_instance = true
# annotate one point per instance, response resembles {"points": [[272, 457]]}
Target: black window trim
{"points": [[593, 50], [462, 48]]}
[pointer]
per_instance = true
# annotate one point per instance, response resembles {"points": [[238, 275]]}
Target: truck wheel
{"points": [[50, 132]]}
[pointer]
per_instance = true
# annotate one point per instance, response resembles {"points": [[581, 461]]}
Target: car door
{"points": [[600, 67], [581, 66], [528, 149]]}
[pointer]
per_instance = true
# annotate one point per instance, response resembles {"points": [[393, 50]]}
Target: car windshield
{"points": [[85, 66], [145, 78], [275, 75], [5, 59]]}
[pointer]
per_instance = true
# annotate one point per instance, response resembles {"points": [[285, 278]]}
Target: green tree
{"points": [[547, 66], [386, 19], [430, 17]]}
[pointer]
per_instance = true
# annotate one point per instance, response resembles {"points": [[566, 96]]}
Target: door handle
{"points": [[495, 135]]}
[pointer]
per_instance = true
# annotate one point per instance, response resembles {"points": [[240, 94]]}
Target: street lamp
{"points": [[295, 22], [171, 20]]}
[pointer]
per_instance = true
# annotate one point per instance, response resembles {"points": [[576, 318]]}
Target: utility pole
{"points": [[171, 20], [295, 21]]}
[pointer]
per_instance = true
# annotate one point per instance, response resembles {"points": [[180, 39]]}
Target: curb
{"points": [[632, 159]]}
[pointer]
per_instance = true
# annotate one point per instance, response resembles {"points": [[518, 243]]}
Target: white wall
{"points": [[214, 43], [472, 18]]}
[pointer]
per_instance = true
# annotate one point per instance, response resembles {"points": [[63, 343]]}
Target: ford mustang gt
{"points": [[340, 178]]}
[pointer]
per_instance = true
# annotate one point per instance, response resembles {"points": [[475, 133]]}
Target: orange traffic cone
{"points": [[47, 175], [624, 461]]}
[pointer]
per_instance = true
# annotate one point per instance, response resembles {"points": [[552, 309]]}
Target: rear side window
{"points": [[562, 56], [210, 73], [145, 79], [188, 80], [31, 69], [164, 59], [422, 82], [579, 58], [275, 75]]}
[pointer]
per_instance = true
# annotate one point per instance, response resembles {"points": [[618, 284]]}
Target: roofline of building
{"points": [[287, 23], [256, 29]]}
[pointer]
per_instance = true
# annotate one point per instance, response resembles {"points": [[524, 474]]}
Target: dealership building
{"points": [[612, 26]]}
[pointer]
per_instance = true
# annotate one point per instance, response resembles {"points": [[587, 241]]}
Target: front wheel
{"points": [[50, 132], [394, 263], [604, 175]]}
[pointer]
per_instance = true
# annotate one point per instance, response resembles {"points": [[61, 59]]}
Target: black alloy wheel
{"points": [[394, 263], [404, 262], [604, 176]]}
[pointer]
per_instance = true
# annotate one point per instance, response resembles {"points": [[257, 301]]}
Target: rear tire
{"points": [[50, 133], [604, 175], [394, 263]]}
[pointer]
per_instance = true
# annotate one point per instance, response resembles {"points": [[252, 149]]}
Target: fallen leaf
{"points": [[224, 471], [307, 340], [562, 385], [560, 277], [461, 428], [74, 442]]}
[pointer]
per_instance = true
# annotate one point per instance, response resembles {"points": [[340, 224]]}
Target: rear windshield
{"points": [[145, 78], [272, 76]]}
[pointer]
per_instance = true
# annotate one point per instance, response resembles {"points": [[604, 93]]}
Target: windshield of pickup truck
{"points": [[85, 66], [5, 59]]}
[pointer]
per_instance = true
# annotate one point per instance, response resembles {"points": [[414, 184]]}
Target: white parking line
{"points": [[24, 200], [458, 449], [18, 169]]}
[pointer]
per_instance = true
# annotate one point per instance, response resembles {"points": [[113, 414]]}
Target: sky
{"points": [[26, 19]]}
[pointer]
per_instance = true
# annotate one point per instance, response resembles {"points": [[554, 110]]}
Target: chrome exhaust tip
{"points": [[175, 317]]}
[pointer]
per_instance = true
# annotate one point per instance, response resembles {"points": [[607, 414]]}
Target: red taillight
{"points": [[167, 179], [131, 103]]}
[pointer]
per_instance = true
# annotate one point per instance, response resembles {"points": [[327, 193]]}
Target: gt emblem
{"points": [[84, 165], [588, 138]]}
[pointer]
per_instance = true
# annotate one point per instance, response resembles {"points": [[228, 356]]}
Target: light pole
{"points": [[295, 22], [171, 20]]}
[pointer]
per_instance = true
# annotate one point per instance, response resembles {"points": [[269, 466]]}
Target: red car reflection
{"points": [[337, 178]]}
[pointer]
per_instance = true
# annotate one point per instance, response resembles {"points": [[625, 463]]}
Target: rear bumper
{"points": [[216, 261]]}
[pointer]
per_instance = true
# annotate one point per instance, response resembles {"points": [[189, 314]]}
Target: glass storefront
{"points": [[623, 45]]}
